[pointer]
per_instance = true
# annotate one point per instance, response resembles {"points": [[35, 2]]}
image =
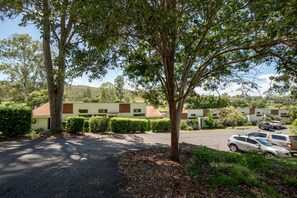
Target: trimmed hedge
{"points": [[128, 125], [160, 125], [75, 124], [64, 123], [15, 121], [99, 124], [87, 126]]}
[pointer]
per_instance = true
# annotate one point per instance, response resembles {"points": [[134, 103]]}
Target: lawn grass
{"points": [[252, 170]]}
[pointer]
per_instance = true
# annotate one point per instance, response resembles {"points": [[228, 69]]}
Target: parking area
{"points": [[216, 139]]}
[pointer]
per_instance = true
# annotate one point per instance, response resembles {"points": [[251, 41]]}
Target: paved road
{"points": [[216, 139], [82, 166]]}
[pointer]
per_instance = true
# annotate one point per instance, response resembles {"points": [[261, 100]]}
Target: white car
{"points": [[246, 143]]}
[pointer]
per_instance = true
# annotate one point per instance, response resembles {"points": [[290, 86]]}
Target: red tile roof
{"points": [[151, 112], [43, 110]]}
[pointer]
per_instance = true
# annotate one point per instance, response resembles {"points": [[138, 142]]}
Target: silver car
{"points": [[246, 143]]}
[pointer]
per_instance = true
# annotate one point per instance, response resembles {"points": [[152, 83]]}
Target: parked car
{"points": [[277, 124], [246, 143], [284, 140], [265, 125]]}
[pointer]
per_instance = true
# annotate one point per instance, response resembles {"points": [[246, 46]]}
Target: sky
{"points": [[10, 27]]}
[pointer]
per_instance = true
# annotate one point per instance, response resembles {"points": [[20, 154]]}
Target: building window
{"points": [[83, 110], [284, 115], [102, 110], [137, 110], [139, 115], [193, 114]]}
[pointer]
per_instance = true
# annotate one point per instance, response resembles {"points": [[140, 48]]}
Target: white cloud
{"points": [[263, 81], [81, 81]]}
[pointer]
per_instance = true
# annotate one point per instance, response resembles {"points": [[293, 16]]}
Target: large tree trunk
{"points": [[174, 131], [175, 119], [55, 85]]}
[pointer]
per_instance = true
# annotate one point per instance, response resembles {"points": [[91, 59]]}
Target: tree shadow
{"points": [[79, 166]]}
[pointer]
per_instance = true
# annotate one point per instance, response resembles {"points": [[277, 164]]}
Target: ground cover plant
{"points": [[204, 172]]}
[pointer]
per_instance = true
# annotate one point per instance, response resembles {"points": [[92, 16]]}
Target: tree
{"points": [[239, 102], [293, 113], [60, 25], [22, 60], [37, 98], [119, 84], [107, 92], [210, 122], [196, 101], [230, 116], [281, 24], [179, 45]]}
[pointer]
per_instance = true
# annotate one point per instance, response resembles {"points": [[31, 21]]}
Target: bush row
{"points": [[117, 125], [15, 121], [128, 125], [75, 124]]}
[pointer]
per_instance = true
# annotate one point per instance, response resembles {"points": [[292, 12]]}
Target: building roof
{"points": [[43, 110], [151, 112]]}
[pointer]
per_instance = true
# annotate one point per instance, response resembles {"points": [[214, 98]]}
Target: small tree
{"points": [[119, 84], [210, 122], [230, 116], [293, 113]]}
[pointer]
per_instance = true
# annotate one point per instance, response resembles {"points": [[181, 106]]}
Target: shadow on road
{"points": [[82, 166]]}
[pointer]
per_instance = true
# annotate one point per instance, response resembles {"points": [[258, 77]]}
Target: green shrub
{"points": [[183, 125], [87, 126], [75, 124], [160, 125], [99, 124], [128, 125], [64, 123], [15, 121], [210, 122], [193, 124], [294, 123]]}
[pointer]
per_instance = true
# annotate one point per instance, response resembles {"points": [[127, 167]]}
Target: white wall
{"points": [[41, 123], [133, 114], [112, 108], [197, 112]]}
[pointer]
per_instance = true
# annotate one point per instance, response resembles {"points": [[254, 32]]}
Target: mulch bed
{"points": [[151, 173]]}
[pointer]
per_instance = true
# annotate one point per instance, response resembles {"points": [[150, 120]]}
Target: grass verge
{"points": [[249, 170]]}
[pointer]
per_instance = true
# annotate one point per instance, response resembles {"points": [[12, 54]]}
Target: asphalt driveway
{"points": [[82, 166]]}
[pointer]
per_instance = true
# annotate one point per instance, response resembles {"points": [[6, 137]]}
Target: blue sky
{"points": [[9, 27]]}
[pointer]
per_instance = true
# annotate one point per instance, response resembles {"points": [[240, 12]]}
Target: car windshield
{"points": [[263, 142]]}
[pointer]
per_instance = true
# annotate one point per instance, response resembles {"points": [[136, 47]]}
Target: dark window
{"points": [[251, 141], [253, 134], [284, 115], [137, 110], [102, 110], [278, 137], [138, 115], [193, 114], [262, 135], [83, 110], [240, 138]]}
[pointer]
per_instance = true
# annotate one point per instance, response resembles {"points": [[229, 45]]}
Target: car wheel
{"points": [[269, 155], [233, 148]]}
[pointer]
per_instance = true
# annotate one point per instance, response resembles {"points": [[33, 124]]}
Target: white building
{"points": [[41, 115]]}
